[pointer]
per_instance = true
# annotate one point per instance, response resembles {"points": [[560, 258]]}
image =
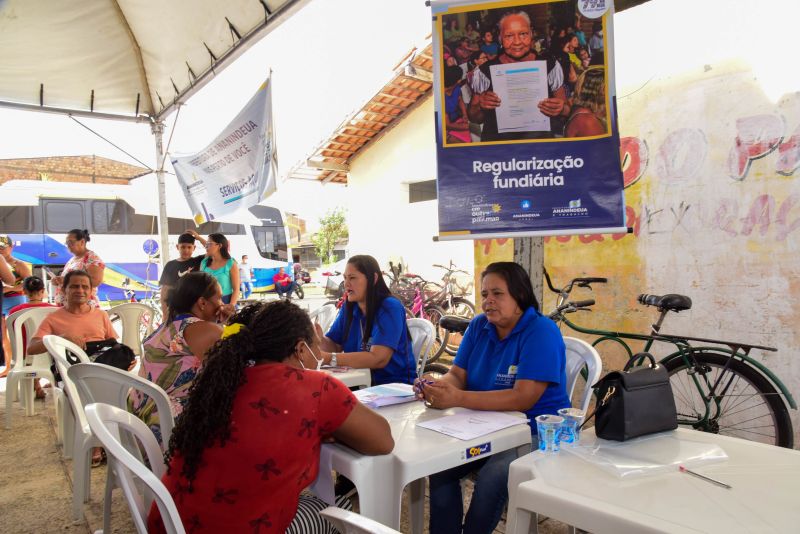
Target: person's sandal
{"points": [[100, 459]]}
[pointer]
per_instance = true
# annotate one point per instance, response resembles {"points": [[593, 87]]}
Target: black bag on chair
{"points": [[110, 352], [634, 403]]}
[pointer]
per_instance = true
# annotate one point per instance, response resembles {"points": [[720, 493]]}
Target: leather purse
{"points": [[634, 403]]}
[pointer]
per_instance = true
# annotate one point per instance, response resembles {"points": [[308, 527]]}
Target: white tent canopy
{"points": [[124, 58]]}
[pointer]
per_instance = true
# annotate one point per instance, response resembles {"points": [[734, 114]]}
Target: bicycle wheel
{"points": [[463, 308], [746, 404], [436, 369], [434, 315]]}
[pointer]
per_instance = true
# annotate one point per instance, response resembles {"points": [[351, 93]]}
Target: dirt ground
{"points": [[36, 482]]}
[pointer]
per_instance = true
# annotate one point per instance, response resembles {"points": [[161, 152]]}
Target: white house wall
{"points": [[381, 220]]}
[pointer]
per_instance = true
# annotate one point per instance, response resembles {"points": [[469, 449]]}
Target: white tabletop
{"points": [[352, 377], [765, 494], [418, 452]]}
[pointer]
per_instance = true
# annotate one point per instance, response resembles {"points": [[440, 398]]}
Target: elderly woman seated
{"points": [[174, 352]]}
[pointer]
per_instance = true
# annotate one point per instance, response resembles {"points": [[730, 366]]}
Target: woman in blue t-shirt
{"points": [[370, 330], [511, 358]]}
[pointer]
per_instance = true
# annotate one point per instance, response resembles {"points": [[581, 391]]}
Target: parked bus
{"points": [[124, 232]]}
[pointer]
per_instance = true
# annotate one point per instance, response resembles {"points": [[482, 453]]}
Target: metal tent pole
{"points": [[157, 127]]}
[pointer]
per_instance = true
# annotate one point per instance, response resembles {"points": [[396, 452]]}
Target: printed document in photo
{"points": [[520, 87], [473, 423]]}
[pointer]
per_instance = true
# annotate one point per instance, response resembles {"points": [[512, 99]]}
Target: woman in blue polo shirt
{"points": [[511, 358], [370, 309]]}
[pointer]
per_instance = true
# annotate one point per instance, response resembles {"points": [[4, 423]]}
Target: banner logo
{"points": [[477, 450]]}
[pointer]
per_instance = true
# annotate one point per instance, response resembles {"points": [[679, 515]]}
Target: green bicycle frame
{"points": [[684, 351]]}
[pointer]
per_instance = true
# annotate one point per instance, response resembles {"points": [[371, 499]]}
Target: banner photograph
{"points": [[238, 168], [526, 129]]}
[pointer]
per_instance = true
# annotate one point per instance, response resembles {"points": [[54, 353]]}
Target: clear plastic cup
{"points": [[571, 427], [549, 429]]}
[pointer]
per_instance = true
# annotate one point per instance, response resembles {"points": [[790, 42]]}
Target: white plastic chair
{"points": [[352, 523], [579, 355], [82, 439], [107, 423], [324, 315], [20, 378], [101, 383], [133, 315], [422, 335]]}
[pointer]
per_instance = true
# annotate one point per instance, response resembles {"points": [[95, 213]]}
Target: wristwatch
{"points": [[334, 356]]}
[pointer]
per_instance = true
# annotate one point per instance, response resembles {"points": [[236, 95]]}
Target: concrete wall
{"points": [[713, 198], [381, 220]]}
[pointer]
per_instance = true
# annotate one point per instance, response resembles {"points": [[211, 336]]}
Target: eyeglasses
{"points": [[70, 242], [209, 243]]}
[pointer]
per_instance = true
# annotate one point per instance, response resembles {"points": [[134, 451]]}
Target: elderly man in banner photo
{"points": [[516, 38]]}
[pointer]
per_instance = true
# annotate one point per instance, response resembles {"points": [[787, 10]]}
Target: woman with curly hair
{"points": [[248, 441], [174, 352]]}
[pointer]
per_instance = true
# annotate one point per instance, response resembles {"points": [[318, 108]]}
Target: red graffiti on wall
{"points": [[789, 154], [764, 214], [681, 155], [634, 155], [756, 136]]}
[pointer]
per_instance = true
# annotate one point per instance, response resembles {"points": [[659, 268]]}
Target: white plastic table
{"points": [[353, 377], [418, 452], [765, 496]]}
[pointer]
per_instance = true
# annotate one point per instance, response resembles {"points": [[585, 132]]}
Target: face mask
{"points": [[319, 362]]}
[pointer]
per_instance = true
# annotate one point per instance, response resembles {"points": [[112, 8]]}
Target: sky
{"points": [[327, 60]]}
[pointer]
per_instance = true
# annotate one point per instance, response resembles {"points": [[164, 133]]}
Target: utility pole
{"points": [[529, 252]]}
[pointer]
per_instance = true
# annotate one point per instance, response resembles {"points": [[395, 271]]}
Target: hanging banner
{"points": [[526, 125], [238, 168]]}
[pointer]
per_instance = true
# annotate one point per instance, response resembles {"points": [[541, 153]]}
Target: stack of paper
{"points": [[384, 395], [473, 423]]}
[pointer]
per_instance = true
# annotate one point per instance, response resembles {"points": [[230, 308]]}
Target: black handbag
{"points": [[108, 352], [634, 403], [113, 353]]}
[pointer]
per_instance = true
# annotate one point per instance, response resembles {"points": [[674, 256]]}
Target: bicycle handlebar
{"points": [[648, 300], [570, 307], [590, 280]]}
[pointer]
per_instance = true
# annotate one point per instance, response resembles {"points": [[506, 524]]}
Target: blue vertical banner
{"points": [[526, 126]]}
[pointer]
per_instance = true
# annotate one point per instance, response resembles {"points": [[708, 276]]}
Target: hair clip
{"points": [[231, 330]]}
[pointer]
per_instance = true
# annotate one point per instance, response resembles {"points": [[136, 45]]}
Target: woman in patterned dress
{"points": [[249, 439], [174, 352], [82, 259]]}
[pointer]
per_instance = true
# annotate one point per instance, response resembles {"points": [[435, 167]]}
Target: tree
{"points": [[333, 227]]}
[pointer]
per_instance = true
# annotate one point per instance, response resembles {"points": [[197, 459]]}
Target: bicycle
{"points": [[449, 296], [718, 386]]}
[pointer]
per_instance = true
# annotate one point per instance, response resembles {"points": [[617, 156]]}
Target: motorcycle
{"points": [[301, 278]]}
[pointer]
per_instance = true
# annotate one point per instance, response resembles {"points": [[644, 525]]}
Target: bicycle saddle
{"points": [[454, 323], [671, 301]]}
